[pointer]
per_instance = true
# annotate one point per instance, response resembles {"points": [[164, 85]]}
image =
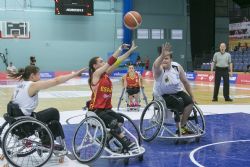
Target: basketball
{"points": [[132, 20]]}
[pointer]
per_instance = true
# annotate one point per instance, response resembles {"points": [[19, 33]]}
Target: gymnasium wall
{"points": [[166, 14], [221, 31], [62, 43]]}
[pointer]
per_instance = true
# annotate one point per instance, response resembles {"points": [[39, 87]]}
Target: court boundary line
{"points": [[191, 155]]}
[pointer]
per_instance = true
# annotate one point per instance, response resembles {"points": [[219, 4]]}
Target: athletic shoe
{"points": [[184, 131], [127, 144], [214, 100], [229, 99]]}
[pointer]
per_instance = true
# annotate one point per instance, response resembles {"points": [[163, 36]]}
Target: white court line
{"points": [[191, 155], [211, 85]]}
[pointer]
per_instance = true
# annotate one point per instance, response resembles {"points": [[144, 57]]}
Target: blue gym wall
{"points": [[166, 14], [68, 42], [221, 31], [61, 42]]}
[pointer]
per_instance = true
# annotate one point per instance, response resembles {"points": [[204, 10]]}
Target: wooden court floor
{"points": [[203, 94]]}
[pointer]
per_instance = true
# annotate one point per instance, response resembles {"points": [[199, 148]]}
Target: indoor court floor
{"points": [[226, 142]]}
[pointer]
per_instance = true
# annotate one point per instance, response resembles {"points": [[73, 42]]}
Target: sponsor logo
{"points": [[47, 74]]}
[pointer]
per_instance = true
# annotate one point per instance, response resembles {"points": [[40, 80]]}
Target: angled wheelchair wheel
{"points": [[3, 129], [130, 127], [24, 142], [196, 121], [89, 139], [151, 120], [122, 102]]}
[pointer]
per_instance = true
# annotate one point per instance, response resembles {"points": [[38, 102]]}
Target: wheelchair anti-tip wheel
{"points": [[89, 139], [151, 120], [28, 143]]}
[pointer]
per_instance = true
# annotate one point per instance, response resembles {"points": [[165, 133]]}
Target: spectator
{"points": [[245, 19], [11, 68], [32, 60], [248, 68], [147, 62], [138, 61]]}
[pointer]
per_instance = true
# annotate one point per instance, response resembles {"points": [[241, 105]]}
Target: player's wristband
{"points": [[118, 62], [112, 60]]}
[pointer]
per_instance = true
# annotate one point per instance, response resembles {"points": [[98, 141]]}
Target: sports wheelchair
{"points": [[93, 140], [159, 121], [25, 141], [125, 97]]}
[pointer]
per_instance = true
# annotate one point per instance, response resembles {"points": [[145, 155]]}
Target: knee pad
{"points": [[114, 126]]}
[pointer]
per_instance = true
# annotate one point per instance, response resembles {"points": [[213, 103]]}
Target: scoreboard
{"points": [[74, 7]]}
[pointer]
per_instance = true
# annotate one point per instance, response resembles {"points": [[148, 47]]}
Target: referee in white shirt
{"points": [[222, 61]]}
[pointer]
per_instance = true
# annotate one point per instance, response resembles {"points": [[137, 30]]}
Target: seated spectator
{"points": [[248, 68], [11, 68]]}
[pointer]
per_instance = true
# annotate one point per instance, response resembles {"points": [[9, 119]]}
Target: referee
{"points": [[222, 60]]}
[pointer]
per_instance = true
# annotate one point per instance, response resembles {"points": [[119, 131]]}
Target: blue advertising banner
{"points": [[191, 76], [85, 74], [233, 79], [47, 75], [122, 72]]}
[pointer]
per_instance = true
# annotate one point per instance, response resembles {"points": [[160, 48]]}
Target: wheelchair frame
{"points": [[92, 120], [142, 96], [163, 129]]}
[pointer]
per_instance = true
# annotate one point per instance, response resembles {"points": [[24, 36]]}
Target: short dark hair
{"points": [[33, 58]]}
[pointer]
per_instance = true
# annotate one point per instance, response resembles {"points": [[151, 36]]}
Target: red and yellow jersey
{"points": [[133, 81], [101, 94]]}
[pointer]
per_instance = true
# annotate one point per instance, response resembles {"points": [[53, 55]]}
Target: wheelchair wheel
{"points": [[24, 142], [130, 126], [196, 121], [89, 139], [3, 130], [151, 120]]}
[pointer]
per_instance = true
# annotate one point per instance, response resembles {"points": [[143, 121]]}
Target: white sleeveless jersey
{"points": [[21, 97], [169, 81]]}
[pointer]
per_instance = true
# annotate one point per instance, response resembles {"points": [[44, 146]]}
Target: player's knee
{"points": [[180, 105], [114, 126]]}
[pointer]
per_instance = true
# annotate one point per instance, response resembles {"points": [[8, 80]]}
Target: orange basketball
{"points": [[132, 20]]}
